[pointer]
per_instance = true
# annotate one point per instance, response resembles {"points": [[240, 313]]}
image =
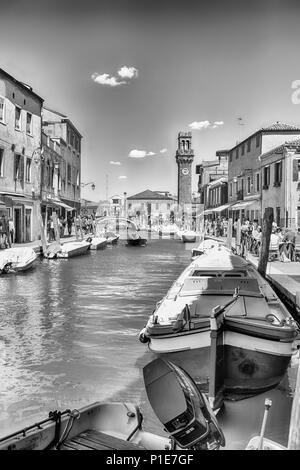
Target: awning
{"points": [[22, 200], [242, 205], [2, 203], [57, 203], [208, 211], [221, 208]]}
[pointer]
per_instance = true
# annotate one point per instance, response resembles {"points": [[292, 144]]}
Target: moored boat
{"points": [[72, 249], [111, 237], [189, 236], [258, 330], [134, 239], [97, 243], [187, 418], [17, 259]]}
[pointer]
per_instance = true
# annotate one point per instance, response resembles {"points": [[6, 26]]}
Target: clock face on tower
{"points": [[185, 171]]}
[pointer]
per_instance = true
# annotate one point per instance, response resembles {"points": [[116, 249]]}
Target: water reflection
{"points": [[69, 337]]}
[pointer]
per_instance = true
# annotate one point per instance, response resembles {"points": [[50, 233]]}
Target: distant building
{"points": [[245, 191], [184, 160], [212, 182], [20, 162], [62, 130], [114, 206], [88, 207], [280, 183], [151, 205]]}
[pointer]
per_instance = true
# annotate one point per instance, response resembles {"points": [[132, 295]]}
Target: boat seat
{"points": [[96, 440], [219, 285]]}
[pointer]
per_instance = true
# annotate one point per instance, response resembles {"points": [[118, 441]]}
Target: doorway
{"points": [[27, 225], [18, 225]]}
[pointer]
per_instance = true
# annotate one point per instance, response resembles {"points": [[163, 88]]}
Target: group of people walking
{"points": [[7, 232], [248, 234], [66, 226]]}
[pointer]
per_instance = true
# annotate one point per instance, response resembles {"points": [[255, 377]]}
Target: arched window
{"points": [[187, 145]]}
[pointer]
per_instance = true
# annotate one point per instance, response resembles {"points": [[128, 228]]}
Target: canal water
{"points": [[69, 337]]}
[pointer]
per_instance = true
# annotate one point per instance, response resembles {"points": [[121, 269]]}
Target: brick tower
{"points": [[184, 159]]}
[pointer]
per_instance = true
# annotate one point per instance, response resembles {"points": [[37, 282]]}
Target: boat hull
{"points": [[72, 251], [251, 364], [98, 246], [137, 242]]}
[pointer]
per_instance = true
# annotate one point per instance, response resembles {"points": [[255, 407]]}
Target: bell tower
{"points": [[184, 160]]}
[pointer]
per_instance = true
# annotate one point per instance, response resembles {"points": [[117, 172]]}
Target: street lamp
{"points": [[93, 186]]}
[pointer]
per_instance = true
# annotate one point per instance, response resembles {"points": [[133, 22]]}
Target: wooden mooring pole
{"points": [[43, 234], [56, 228], [265, 240], [216, 379], [229, 234]]}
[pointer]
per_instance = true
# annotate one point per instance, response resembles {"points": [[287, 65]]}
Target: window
{"points": [[19, 167], [28, 123], [296, 170], [28, 170], [156, 207], [248, 145], [77, 178], [248, 184], [237, 153], [18, 118], [243, 149], [68, 135], [257, 181], [2, 109], [230, 189], [69, 173], [266, 177], [168, 205], [1, 162], [277, 173], [230, 157], [257, 140]]}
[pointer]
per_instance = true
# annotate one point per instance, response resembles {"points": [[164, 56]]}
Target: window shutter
{"points": [[295, 170], [21, 168]]}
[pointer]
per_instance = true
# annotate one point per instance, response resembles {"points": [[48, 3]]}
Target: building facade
{"points": [[20, 147], [151, 207], [245, 191], [211, 171], [62, 130], [280, 177], [184, 160]]}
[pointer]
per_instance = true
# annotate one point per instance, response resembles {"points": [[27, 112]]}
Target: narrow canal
{"points": [[69, 337]]}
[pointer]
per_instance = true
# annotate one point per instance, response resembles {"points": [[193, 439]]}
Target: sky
{"points": [[131, 74]]}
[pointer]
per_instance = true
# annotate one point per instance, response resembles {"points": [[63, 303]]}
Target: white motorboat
{"points": [[97, 243], [189, 236], [258, 330], [111, 237], [204, 246], [187, 418], [18, 259], [71, 249], [167, 230]]}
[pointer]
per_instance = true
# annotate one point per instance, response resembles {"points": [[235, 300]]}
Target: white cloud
{"points": [[140, 153], [217, 124], [199, 125], [106, 79], [114, 163], [122, 177], [163, 150], [110, 80], [128, 72]]}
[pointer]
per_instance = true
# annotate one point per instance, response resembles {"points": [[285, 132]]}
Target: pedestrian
{"points": [[69, 224], [3, 232], [11, 232]]}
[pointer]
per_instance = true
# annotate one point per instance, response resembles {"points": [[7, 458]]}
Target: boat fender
{"points": [[143, 336]]}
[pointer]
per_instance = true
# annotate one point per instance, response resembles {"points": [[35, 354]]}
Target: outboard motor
{"points": [[181, 407]]}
